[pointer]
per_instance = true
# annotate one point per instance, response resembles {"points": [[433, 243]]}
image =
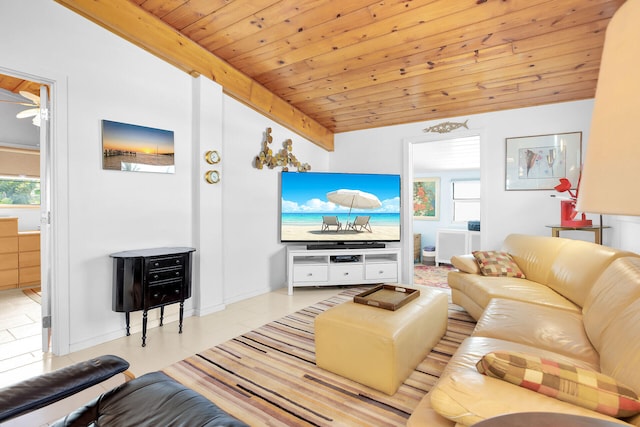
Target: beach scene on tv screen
{"points": [[339, 207]]}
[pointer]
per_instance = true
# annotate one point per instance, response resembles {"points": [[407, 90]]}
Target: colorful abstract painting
{"points": [[426, 198]]}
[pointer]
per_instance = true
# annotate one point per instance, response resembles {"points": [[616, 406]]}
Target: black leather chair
{"points": [[153, 399]]}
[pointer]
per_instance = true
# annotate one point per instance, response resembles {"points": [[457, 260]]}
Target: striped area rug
{"points": [[268, 376]]}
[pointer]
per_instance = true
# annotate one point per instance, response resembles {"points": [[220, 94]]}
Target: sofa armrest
{"points": [[465, 263], [43, 390]]}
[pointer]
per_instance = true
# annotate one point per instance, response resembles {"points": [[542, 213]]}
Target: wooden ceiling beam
{"points": [[128, 21]]}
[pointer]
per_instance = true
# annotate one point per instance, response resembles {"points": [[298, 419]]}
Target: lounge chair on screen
{"points": [[361, 223], [331, 221]]}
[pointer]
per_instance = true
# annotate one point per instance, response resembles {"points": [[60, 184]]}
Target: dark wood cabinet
{"points": [[151, 278]]}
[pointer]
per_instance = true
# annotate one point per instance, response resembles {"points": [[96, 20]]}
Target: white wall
{"points": [[101, 76], [254, 259], [504, 212]]}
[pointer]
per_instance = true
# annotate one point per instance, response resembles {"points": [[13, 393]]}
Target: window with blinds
{"points": [[19, 177]]}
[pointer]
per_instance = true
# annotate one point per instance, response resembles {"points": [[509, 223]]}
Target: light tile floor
{"points": [[20, 340]]}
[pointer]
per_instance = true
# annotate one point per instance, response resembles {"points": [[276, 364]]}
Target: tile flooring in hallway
{"points": [[20, 334], [20, 355]]}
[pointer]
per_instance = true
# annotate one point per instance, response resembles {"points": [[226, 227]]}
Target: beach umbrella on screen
{"points": [[354, 199]]}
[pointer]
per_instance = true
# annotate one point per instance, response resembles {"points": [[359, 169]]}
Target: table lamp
{"points": [[612, 164]]}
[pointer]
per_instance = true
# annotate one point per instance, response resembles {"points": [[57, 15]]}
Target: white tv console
{"points": [[330, 267]]}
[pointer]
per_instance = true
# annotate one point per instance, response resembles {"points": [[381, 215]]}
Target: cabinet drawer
{"points": [[161, 275], [164, 262], [8, 278], [310, 273], [382, 271], [9, 261], [8, 227], [29, 275], [29, 259], [8, 245], [29, 242], [346, 273], [164, 293]]}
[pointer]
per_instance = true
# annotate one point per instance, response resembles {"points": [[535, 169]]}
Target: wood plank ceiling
{"points": [[322, 67]]}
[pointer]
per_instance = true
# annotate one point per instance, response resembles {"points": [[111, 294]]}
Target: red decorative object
{"points": [[568, 211]]}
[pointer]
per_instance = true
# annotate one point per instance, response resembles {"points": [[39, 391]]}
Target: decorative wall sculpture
{"points": [[446, 127], [283, 158]]}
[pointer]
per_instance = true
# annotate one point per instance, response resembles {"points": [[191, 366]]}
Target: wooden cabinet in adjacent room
{"points": [[8, 253], [19, 256], [29, 258]]}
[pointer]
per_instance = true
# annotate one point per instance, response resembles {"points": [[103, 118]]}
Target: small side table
{"points": [[151, 278], [543, 419], [595, 229]]}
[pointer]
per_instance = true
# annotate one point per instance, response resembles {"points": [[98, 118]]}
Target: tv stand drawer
{"points": [[346, 273], [310, 273], [382, 271]]}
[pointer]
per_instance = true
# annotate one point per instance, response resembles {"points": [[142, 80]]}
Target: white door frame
{"points": [[407, 191], [55, 256]]}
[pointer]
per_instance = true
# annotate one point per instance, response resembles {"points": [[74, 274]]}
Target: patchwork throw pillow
{"points": [[586, 388], [497, 263]]}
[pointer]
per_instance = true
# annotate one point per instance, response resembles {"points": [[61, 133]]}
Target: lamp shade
{"points": [[611, 170]]}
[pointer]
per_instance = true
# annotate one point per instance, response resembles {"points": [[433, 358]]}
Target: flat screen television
{"points": [[328, 209]]}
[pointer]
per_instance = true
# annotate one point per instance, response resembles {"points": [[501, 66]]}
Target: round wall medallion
{"points": [[212, 177], [212, 157]]}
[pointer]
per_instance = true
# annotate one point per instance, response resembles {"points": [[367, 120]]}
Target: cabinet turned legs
{"points": [[144, 328], [127, 319], [181, 315], [161, 315]]}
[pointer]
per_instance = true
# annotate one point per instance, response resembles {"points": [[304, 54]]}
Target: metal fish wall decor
{"points": [[446, 127]]}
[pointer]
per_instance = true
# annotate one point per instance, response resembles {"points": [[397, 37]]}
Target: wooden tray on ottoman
{"points": [[389, 297]]}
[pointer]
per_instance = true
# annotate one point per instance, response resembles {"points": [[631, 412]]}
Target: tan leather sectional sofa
{"points": [[579, 305]]}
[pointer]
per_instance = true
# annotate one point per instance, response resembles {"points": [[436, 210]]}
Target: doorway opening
{"points": [[436, 168], [24, 202]]}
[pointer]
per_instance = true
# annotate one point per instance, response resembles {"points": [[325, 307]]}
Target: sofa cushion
{"points": [[612, 320], [497, 264], [566, 382], [458, 393], [577, 266], [483, 289], [540, 326], [534, 254]]}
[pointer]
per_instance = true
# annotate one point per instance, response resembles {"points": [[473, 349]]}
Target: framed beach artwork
{"points": [[134, 148], [538, 162], [426, 198]]}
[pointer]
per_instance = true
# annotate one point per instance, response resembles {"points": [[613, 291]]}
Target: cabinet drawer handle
{"points": [[381, 271], [156, 264], [177, 273], [177, 261], [155, 276], [177, 291], [309, 274], [346, 274], [156, 295]]}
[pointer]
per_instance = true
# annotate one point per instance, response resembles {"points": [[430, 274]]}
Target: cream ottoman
{"points": [[376, 347]]}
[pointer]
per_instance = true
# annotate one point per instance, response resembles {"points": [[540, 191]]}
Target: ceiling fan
{"points": [[34, 104], [34, 111]]}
